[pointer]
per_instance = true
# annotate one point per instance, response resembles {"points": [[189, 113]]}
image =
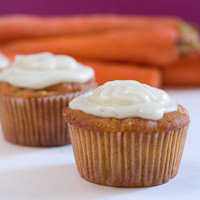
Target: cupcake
{"points": [[33, 93], [4, 62], [127, 134]]}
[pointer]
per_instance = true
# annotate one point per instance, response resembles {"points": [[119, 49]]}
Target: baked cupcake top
{"points": [[128, 106], [42, 70], [4, 62]]}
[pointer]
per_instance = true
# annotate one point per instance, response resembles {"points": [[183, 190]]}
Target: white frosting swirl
{"points": [[4, 62], [122, 99], [41, 70]]}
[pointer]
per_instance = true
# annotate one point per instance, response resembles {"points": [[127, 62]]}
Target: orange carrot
{"points": [[15, 27], [154, 47], [114, 71], [185, 72]]}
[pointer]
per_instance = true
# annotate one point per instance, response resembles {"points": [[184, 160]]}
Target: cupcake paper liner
{"points": [[127, 159], [35, 121]]}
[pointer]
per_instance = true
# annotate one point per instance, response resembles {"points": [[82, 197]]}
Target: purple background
{"points": [[187, 9]]}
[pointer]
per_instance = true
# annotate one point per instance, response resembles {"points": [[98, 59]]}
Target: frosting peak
{"points": [[126, 93], [41, 70], [122, 99], [44, 62]]}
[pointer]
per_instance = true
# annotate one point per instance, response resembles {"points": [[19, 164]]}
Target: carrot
{"points": [[186, 72], [15, 27], [154, 47], [114, 71], [157, 41]]}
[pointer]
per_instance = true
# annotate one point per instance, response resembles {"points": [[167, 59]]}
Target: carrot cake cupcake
{"points": [[127, 134], [33, 93]]}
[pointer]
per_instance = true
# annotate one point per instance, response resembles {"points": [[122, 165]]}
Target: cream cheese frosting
{"points": [[37, 71], [122, 99], [4, 61]]}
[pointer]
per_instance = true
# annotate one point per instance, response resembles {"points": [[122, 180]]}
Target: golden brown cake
{"points": [[127, 152], [33, 116]]}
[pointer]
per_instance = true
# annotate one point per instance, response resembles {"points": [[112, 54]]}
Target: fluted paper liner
{"points": [[127, 159], [35, 121]]}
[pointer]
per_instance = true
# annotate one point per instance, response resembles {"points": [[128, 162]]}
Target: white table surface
{"points": [[28, 173]]}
